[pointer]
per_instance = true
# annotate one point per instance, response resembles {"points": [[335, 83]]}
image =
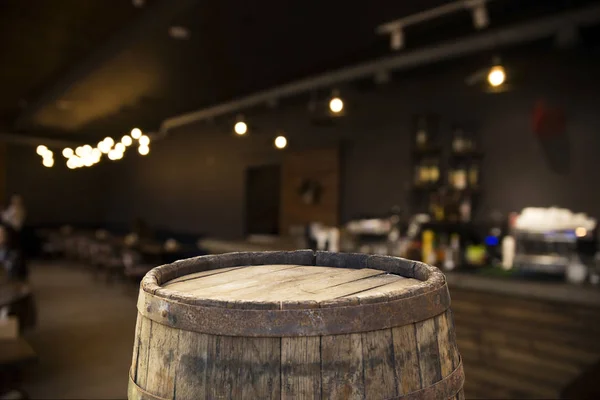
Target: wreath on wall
{"points": [[310, 191]]}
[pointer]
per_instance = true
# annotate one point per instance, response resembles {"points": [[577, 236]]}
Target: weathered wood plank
{"points": [[162, 360], [136, 345], [196, 286], [190, 380], [223, 367], [379, 365], [445, 346], [141, 374], [396, 283], [342, 367], [300, 367], [406, 358], [197, 275], [260, 375], [429, 354]]}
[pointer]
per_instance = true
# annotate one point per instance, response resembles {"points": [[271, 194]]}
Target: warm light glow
{"points": [[126, 140], [336, 105], [67, 152], [280, 142], [96, 154], [41, 150], [580, 232], [48, 162], [143, 150], [136, 133], [87, 149], [241, 128], [113, 155], [88, 161], [120, 147], [497, 76], [71, 163], [144, 140], [104, 147], [109, 141], [78, 162], [79, 151]]}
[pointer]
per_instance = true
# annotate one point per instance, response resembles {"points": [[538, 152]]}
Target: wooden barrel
{"points": [[295, 325]]}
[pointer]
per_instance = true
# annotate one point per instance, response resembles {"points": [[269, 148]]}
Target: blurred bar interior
{"points": [[460, 133]]}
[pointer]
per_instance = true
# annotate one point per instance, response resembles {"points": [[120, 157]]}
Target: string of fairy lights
{"points": [[87, 156]]}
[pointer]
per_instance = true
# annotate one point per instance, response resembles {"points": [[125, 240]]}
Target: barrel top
{"points": [[297, 293], [280, 282]]}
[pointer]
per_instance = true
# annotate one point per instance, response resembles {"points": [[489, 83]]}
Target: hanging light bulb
{"points": [[71, 163], [109, 141], [496, 76], [113, 155], [280, 142], [96, 154], [144, 150], [120, 147], [67, 152], [79, 151], [104, 147], [48, 162], [241, 128], [336, 105], [144, 140], [41, 150], [126, 140], [136, 133]]}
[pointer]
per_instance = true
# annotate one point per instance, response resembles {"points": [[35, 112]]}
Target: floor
{"points": [[84, 335]]}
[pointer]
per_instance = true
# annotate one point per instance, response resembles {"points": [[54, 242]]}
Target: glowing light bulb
{"points": [[580, 232], [143, 150], [109, 141], [136, 133], [144, 140], [113, 155], [240, 128], [79, 151], [126, 140], [280, 142], [71, 163], [96, 154], [48, 162], [336, 105], [41, 150], [120, 147], [497, 76], [67, 152], [104, 147]]}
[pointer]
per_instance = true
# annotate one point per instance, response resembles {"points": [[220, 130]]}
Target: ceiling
{"points": [[97, 67]]}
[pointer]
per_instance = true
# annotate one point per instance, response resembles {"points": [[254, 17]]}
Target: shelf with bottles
{"points": [[425, 138]]}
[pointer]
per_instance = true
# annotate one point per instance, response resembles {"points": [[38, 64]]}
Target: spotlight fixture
{"points": [[67, 152], [397, 38], [126, 140], [496, 76], [280, 142], [136, 133], [240, 128], [143, 150], [41, 150], [479, 12]]}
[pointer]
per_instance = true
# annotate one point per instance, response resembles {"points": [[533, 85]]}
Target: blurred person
{"points": [[14, 215], [11, 259]]}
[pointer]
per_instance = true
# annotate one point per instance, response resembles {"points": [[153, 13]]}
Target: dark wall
{"points": [[54, 195], [194, 180]]}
